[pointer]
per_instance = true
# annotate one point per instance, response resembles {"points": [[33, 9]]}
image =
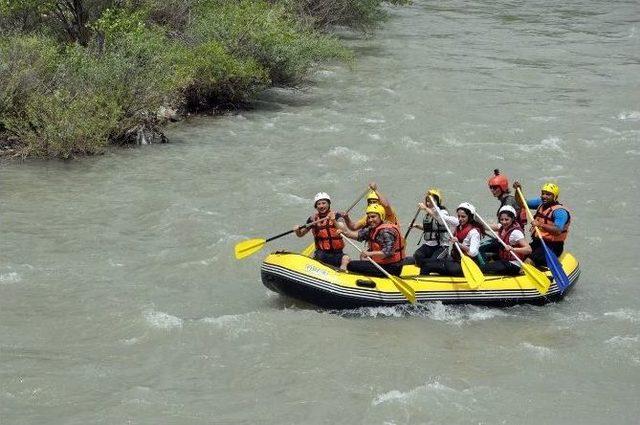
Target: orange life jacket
{"points": [[544, 215], [505, 234], [325, 234], [398, 244]]}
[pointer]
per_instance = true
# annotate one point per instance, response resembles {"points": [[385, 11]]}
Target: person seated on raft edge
{"points": [[512, 234], [434, 234], [499, 187], [386, 244], [375, 197], [329, 243], [468, 233], [552, 219]]}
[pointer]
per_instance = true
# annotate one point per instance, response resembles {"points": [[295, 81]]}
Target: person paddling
{"points": [[551, 218], [467, 233], [329, 243], [385, 244], [434, 233], [512, 234], [499, 187], [375, 197]]}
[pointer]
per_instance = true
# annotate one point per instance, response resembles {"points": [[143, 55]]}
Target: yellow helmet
{"points": [[377, 209], [372, 195], [551, 188], [435, 192]]}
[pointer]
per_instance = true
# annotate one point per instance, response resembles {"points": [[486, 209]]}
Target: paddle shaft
{"points": [[498, 238], [526, 207], [446, 225], [293, 230], [412, 223]]}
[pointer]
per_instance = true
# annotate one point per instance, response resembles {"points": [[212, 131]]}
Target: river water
{"points": [[121, 302]]}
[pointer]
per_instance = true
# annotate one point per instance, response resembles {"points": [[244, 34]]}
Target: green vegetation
{"points": [[78, 75]]}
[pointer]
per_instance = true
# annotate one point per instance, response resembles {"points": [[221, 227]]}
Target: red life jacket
{"points": [[398, 244], [544, 215], [505, 234], [325, 235], [461, 233]]}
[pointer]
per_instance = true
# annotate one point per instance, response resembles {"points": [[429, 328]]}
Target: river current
{"points": [[121, 301]]}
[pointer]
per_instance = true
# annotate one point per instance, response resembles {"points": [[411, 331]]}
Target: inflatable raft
{"points": [[306, 279]]}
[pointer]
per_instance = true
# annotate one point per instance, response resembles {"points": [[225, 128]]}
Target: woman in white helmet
{"points": [[512, 235], [467, 234], [329, 243]]}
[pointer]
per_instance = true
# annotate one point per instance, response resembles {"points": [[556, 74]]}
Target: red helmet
{"points": [[499, 180]]}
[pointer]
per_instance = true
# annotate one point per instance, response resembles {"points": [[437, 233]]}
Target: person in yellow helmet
{"points": [[435, 235], [375, 197], [385, 244], [551, 218]]}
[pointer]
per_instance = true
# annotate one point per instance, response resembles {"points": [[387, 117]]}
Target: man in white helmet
{"points": [[329, 243]]}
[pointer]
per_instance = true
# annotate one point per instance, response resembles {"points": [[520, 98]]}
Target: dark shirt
{"points": [[385, 237]]}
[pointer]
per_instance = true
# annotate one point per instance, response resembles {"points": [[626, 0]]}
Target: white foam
{"points": [[346, 153], [537, 350], [291, 199], [222, 321], [622, 340], [550, 143], [373, 120], [374, 136], [405, 397], [632, 316], [11, 277], [629, 116], [232, 324], [161, 320]]}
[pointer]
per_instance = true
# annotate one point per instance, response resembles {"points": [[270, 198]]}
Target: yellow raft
{"points": [[306, 279]]}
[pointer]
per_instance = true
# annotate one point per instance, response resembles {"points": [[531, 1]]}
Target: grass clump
{"points": [[78, 76]]}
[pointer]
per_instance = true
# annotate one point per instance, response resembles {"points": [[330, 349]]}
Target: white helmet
{"points": [[467, 206], [319, 196], [509, 209]]}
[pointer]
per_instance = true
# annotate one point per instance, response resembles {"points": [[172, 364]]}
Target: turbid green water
{"points": [[121, 302]]}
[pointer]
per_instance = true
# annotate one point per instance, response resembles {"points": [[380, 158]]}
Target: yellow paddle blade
{"points": [[539, 279], [308, 251], [404, 287], [472, 272], [248, 247]]}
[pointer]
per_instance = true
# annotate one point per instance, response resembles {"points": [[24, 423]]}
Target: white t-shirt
{"points": [[514, 238]]}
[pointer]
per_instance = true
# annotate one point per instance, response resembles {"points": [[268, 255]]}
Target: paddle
{"points": [[539, 279], [312, 246], [412, 223], [400, 284], [561, 278], [470, 269], [251, 246]]}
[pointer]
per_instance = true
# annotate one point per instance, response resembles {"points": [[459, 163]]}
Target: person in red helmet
{"points": [[499, 187]]}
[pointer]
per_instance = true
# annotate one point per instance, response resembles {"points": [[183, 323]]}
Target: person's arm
{"points": [[474, 243], [518, 243], [381, 198], [386, 239], [301, 231], [451, 220], [358, 235]]}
